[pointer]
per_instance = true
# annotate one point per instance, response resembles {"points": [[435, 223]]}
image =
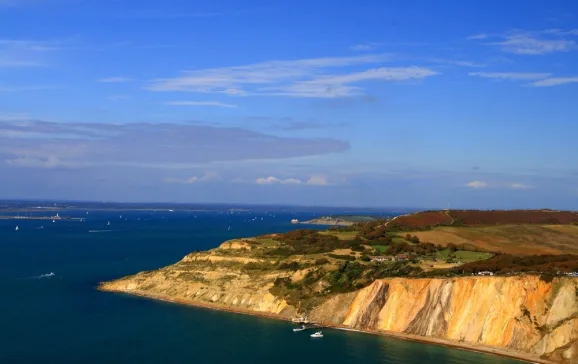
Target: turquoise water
{"points": [[63, 319]]}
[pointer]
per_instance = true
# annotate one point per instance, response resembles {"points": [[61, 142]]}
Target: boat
{"points": [[303, 327], [295, 221], [317, 334], [17, 228], [108, 224]]}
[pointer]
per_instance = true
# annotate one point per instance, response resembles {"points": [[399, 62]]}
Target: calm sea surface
{"points": [[61, 318]]}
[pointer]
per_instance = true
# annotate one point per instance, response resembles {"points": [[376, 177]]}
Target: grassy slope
{"points": [[511, 239]]}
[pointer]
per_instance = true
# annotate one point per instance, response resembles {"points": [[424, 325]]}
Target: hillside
{"points": [[430, 219], [519, 232], [392, 276]]}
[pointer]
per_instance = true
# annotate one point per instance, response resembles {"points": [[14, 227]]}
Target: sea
{"points": [[51, 312]]}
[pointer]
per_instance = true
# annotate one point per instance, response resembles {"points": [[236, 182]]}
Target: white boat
{"points": [[303, 327], [295, 221], [108, 224], [17, 228], [317, 334]]}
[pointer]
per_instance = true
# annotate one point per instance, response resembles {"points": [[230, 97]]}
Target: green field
{"points": [[342, 235]]}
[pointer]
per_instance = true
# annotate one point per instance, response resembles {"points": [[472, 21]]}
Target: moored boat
{"points": [[317, 334]]}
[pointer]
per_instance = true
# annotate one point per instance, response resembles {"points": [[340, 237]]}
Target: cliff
{"points": [[522, 314]]}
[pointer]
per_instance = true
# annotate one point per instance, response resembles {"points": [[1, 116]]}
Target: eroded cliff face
{"points": [[209, 278], [521, 313], [525, 314]]}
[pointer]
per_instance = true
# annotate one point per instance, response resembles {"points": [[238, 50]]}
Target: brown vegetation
{"points": [[504, 264], [508, 239], [512, 217], [421, 220], [430, 219]]}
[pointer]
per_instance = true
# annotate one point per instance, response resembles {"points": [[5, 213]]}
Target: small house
{"points": [[485, 273]]}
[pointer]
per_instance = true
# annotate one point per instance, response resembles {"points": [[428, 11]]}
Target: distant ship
{"points": [[108, 224], [295, 221], [17, 228]]}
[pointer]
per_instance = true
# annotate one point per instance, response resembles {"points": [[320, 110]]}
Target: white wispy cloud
{"points": [[369, 46], [114, 80], [316, 180], [274, 180], [525, 42], [531, 45], [338, 86], [49, 162], [200, 103], [15, 53], [469, 64], [208, 176], [555, 81], [26, 141], [510, 75], [520, 186], [299, 78], [478, 36], [477, 184]]}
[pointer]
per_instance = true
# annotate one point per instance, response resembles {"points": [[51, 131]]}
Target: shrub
{"points": [[342, 257]]}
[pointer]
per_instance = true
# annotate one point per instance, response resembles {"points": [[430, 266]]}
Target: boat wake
{"points": [[100, 231], [42, 276]]}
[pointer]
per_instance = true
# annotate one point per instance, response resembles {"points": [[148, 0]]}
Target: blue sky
{"points": [[359, 103]]}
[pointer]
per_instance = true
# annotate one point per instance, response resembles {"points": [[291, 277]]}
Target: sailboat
{"points": [[108, 224], [17, 228]]}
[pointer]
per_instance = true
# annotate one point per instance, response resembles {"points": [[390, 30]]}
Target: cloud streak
{"points": [[297, 78], [369, 46], [114, 80], [33, 143], [316, 180], [200, 103], [515, 76], [477, 184], [209, 176], [555, 81], [531, 42]]}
